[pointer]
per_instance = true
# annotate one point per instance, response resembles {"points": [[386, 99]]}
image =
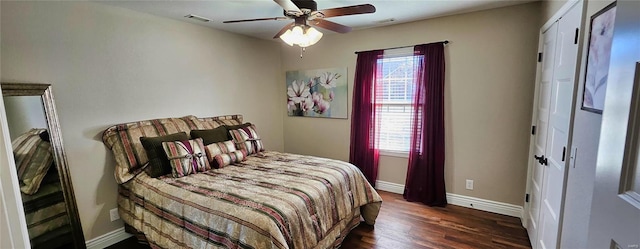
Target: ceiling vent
{"points": [[386, 20], [199, 18]]}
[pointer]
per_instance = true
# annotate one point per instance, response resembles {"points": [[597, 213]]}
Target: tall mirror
{"points": [[45, 184]]}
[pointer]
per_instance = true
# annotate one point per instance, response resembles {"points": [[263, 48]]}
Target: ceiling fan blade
{"points": [[330, 25], [257, 19], [288, 6], [290, 25], [349, 10]]}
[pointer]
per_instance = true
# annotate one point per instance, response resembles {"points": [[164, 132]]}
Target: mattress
{"points": [[271, 200]]}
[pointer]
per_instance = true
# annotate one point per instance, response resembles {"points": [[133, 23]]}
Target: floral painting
{"points": [[317, 93], [600, 39]]}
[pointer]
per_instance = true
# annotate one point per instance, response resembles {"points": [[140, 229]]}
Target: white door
{"points": [[564, 73], [541, 123], [615, 209], [553, 108]]}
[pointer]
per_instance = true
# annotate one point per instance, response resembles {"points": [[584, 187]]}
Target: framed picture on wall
{"points": [[597, 72], [317, 93]]}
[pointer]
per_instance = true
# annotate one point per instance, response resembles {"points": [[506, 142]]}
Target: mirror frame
{"points": [[59, 156]]}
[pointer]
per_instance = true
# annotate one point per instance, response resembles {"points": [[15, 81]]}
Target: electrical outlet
{"points": [[113, 213], [469, 184]]}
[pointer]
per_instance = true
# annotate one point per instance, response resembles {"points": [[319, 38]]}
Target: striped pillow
{"points": [[247, 139], [129, 153], [224, 153], [222, 160], [186, 157], [33, 158], [215, 149], [213, 122], [124, 139], [158, 163]]}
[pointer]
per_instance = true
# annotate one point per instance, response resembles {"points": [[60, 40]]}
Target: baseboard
{"points": [[485, 205], [108, 239], [390, 187], [464, 201]]}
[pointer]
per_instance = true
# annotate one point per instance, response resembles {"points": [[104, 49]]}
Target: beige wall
{"points": [[110, 65], [489, 94], [549, 8], [391, 169], [24, 113]]}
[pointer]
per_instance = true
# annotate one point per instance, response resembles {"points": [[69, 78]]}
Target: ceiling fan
{"points": [[306, 15]]}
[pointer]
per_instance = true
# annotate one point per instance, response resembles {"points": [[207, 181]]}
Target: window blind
{"points": [[394, 93]]}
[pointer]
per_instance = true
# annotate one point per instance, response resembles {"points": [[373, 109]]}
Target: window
{"points": [[395, 90]]}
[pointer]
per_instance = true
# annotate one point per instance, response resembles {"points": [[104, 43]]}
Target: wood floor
{"points": [[403, 224]]}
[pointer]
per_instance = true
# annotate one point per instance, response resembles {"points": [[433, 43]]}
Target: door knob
{"points": [[541, 159]]}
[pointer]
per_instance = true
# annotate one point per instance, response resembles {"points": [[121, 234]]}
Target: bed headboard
{"points": [[124, 139]]}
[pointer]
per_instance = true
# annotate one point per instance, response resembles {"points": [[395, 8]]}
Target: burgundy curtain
{"points": [[425, 175], [364, 152]]}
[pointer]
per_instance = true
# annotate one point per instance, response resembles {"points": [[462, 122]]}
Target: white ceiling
{"points": [[401, 11]]}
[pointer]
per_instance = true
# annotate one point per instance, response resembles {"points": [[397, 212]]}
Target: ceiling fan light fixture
{"points": [[314, 35], [297, 32], [288, 37], [301, 37]]}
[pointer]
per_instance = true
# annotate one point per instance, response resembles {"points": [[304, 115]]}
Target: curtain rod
{"points": [[445, 42]]}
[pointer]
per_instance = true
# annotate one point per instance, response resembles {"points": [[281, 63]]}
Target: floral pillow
{"points": [[33, 158], [224, 153], [186, 157], [247, 139]]}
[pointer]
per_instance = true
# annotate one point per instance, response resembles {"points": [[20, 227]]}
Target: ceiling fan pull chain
{"points": [[302, 49]]}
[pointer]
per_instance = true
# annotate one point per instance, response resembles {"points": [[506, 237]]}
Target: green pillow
{"points": [[158, 162], [216, 135]]}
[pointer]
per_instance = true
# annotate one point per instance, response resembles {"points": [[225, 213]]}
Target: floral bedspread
{"points": [[272, 200]]}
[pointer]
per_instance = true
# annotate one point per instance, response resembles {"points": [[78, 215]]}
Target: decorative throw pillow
{"points": [[247, 138], [124, 141], [224, 153], [235, 127], [222, 160], [211, 136], [33, 159], [219, 148], [186, 157], [158, 162]]}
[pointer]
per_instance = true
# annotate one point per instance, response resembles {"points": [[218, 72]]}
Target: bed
{"points": [[269, 200], [42, 197], [46, 214]]}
